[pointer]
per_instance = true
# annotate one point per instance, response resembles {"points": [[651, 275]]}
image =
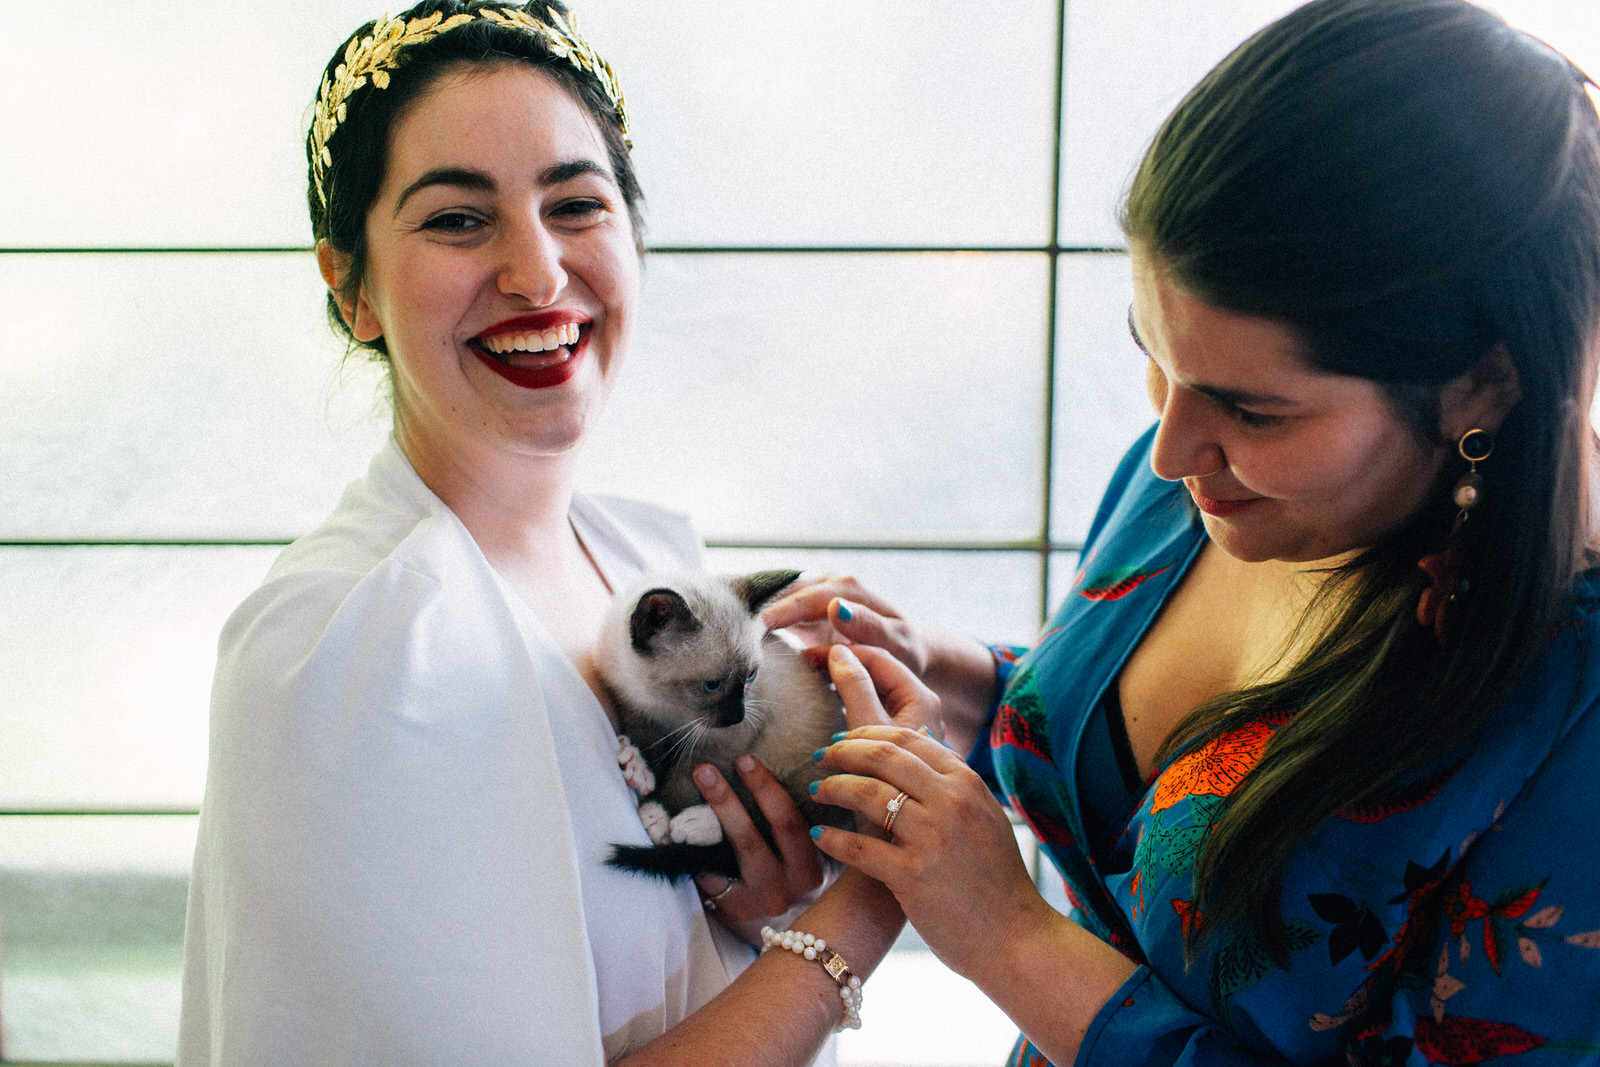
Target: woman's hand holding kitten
{"points": [[772, 881]]}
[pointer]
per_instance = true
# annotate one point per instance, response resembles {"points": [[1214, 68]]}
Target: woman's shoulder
{"points": [[1565, 679], [334, 649], [378, 516], [387, 549], [321, 608], [649, 535]]}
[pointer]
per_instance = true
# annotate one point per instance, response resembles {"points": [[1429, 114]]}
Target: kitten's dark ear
{"points": [[658, 614], [759, 588]]}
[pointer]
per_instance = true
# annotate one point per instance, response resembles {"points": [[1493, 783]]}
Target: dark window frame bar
{"points": [[1043, 545]]}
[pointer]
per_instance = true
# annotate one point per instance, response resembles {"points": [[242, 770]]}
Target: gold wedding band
{"points": [[894, 807]]}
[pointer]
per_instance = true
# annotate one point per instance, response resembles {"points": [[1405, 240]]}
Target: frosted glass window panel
{"points": [[165, 123], [92, 910], [1101, 407], [840, 397], [106, 657], [1129, 63], [177, 396], [838, 122], [994, 596]]}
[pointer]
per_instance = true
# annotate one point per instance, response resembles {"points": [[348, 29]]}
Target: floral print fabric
{"points": [[1459, 924]]}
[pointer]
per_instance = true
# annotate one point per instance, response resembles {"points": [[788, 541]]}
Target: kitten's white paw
{"points": [[656, 822], [635, 771], [697, 826]]}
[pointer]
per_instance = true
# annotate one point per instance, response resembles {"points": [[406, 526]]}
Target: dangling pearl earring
{"points": [[1443, 568], [1475, 446]]}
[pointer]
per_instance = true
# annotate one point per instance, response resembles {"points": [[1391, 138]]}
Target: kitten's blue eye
{"points": [[712, 686], [751, 676]]}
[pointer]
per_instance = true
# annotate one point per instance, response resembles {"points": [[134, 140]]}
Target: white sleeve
{"points": [[385, 872]]}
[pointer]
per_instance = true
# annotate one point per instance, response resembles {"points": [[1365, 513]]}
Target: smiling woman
{"points": [[499, 223], [413, 778], [1311, 736]]}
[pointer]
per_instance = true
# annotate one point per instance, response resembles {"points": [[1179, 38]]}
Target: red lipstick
{"points": [[538, 322], [535, 370], [535, 377]]}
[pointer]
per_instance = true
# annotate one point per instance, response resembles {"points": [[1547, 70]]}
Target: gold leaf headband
{"points": [[375, 55]]}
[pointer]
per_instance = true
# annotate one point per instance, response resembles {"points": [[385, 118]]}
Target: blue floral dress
{"points": [[1457, 925]]}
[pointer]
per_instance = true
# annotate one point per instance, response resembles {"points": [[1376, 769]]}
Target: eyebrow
{"points": [[575, 168], [478, 181], [1230, 397]]}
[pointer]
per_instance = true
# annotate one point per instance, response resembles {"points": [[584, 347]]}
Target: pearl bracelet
{"points": [[815, 948]]}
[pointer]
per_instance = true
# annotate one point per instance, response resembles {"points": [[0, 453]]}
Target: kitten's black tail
{"points": [[675, 860]]}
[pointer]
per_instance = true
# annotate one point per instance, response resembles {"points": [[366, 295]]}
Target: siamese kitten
{"points": [[696, 678]]}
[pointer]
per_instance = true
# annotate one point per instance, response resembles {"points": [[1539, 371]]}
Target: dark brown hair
{"points": [[1405, 184]]}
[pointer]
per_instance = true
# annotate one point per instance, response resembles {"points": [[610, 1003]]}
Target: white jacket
{"points": [[410, 795]]}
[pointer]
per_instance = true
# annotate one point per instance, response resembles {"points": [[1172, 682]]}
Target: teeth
{"points": [[532, 341]]}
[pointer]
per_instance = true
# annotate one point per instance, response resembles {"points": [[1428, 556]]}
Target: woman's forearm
{"points": [[1052, 981], [783, 1008]]}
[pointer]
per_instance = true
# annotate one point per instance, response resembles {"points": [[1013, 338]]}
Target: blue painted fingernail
{"points": [[845, 614], [818, 754], [812, 788], [816, 833], [840, 736]]}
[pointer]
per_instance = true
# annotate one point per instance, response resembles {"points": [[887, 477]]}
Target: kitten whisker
{"points": [[681, 742]]}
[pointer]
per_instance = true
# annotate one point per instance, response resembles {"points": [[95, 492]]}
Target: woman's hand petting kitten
{"points": [[826, 609]]}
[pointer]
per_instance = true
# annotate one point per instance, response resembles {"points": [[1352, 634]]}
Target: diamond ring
{"points": [[894, 807]]}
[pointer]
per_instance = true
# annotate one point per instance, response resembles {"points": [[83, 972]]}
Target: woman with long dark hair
{"points": [[1313, 738]]}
